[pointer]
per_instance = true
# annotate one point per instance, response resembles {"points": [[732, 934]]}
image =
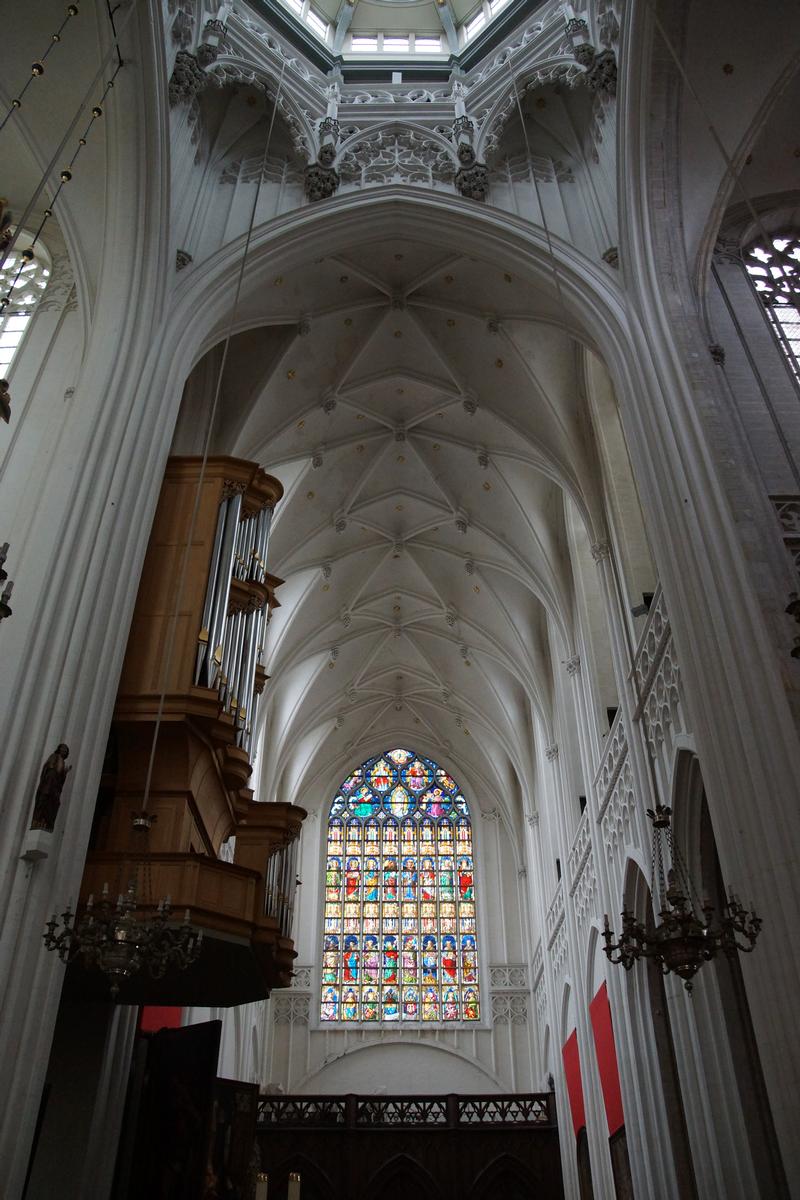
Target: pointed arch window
{"points": [[774, 268], [400, 940], [20, 293]]}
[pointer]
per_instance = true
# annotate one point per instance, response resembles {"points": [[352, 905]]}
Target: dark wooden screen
{"points": [[396, 1147]]}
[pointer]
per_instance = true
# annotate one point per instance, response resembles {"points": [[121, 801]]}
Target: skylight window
{"points": [[475, 25], [379, 43], [428, 45], [316, 22]]}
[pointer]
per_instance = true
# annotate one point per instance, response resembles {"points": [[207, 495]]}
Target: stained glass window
{"points": [[400, 937]]}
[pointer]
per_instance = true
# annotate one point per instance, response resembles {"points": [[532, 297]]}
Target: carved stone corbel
{"points": [[321, 181], [473, 181], [187, 80]]}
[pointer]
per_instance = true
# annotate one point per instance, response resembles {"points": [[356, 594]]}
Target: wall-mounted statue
{"points": [[6, 232], [48, 793], [5, 401]]}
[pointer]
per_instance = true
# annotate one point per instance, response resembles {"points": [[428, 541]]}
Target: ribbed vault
{"points": [[431, 433]]}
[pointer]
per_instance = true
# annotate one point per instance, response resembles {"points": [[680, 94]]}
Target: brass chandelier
{"points": [[117, 939], [686, 934]]}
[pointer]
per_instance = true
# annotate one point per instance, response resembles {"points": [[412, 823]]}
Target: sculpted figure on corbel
{"points": [[183, 26], [5, 412], [472, 176], [6, 231], [187, 80], [321, 177], [599, 66], [212, 43], [607, 23]]}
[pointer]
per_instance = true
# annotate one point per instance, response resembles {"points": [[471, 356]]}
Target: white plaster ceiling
{"points": [[424, 554]]}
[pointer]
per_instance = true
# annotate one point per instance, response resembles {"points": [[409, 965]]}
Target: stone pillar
{"points": [[735, 684], [569, 1166], [596, 1127]]}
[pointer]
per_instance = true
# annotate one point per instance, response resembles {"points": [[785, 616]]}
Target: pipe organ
{"points": [[235, 617], [212, 604], [281, 882]]}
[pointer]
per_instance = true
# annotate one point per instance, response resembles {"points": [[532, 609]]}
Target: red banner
{"points": [[152, 1018], [572, 1072], [606, 1051]]}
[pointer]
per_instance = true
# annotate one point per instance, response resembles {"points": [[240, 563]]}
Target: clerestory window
{"points": [[22, 284], [774, 268], [400, 936]]}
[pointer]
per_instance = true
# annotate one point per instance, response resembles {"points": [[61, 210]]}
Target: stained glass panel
{"points": [[400, 940]]}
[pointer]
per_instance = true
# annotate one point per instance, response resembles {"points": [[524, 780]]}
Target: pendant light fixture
{"points": [[117, 937], [687, 933]]}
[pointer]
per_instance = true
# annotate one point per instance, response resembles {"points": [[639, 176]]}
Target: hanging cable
{"points": [[170, 645], [37, 68], [57, 156], [65, 177], [617, 587], [532, 169]]}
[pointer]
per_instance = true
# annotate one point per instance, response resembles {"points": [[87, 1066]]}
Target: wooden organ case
{"points": [[207, 663]]}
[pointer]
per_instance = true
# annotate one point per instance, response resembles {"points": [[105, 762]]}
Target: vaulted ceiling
{"points": [[426, 431]]}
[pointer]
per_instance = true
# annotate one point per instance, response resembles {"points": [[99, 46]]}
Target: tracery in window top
{"points": [[400, 939], [21, 301], [774, 267]]}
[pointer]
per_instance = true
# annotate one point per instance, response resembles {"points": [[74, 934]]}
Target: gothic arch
{"points": [[688, 799], [728, 190], [594, 311], [400, 1178], [396, 125], [595, 974], [315, 1182], [230, 68], [648, 1004], [548, 1070], [504, 1176], [730, 1040], [494, 1083]]}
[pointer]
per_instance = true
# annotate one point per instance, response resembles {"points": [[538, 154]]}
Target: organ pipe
{"points": [[219, 612], [231, 642], [205, 649], [280, 883]]}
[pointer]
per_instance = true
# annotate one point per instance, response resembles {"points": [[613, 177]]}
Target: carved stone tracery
{"points": [[291, 1009], [513, 976], [398, 155], [510, 1008]]}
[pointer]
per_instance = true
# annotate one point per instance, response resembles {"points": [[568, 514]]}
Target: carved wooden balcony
{"points": [[198, 790]]}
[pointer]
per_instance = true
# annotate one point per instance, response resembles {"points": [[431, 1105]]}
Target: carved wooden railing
{"points": [[526, 1110]]}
